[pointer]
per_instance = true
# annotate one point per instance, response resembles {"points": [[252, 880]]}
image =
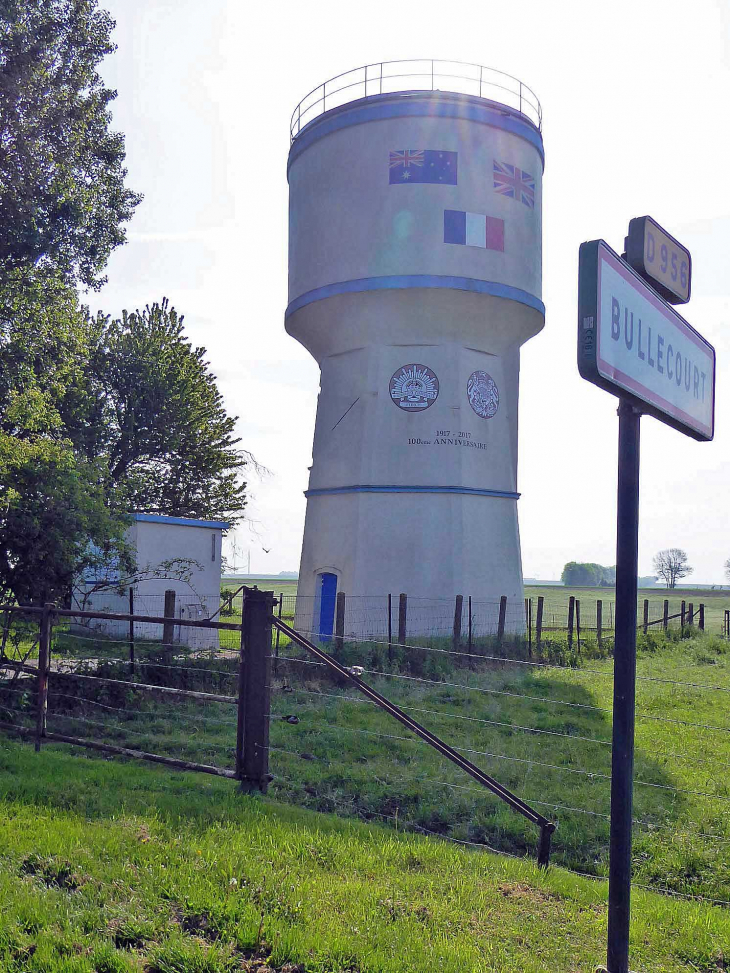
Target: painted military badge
{"points": [[483, 394], [414, 388]]}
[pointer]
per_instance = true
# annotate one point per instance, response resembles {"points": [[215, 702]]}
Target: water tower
{"points": [[415, 257]]}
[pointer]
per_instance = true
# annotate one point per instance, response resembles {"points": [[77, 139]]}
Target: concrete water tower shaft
{"points": [[415, 260]]}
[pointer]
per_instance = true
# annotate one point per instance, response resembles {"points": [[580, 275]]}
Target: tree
{"points": [[53, 506], [160, 421], [671, 564], [63, 202], [587, 574]]}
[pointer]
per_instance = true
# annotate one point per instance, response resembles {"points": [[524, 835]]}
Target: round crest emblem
{"points": [[414, 388], [483, 394]]}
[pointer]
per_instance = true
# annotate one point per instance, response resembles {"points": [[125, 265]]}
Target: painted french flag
{"points": [[473, 230]]}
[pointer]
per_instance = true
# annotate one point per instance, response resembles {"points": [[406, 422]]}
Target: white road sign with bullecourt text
{"points": [[641, 345]]}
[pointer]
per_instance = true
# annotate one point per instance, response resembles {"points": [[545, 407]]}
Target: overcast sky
{"points": [[635, 98]]}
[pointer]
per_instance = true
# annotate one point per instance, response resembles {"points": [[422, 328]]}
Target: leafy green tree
{"points": [[63, 202], [578, 574], [52, 500], [168, 441]]}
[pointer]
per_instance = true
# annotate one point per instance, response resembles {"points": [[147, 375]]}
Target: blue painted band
{"points": [[183, 521], [405, 281], [410, 104], [468, 491]]}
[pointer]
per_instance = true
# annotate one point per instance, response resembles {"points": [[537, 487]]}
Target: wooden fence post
{"points": [[691, 615], [168, 629], [646, 616], [402, 618], [599, 623], [502, 618], [456, 635], [339, 620], [665, 617], [529, 627], [131, 628], [683, 614], [254, 691], [701, 625], [577, 622], [571, 614], [44, 665], [538, 624]]}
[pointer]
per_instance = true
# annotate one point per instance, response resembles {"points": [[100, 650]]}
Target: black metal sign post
{"points": [[633, 344], [624, 688]]}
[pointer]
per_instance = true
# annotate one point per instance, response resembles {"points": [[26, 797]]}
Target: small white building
{"points": [[172, 554]]}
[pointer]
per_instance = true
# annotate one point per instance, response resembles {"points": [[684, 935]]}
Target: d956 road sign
{"points": [[633, 344], [658, 257]]}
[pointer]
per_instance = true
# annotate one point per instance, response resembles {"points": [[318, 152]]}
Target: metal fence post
{"points": [[276, 647], [131, 628], [599, 623], [456, 635], [471, 640], [645, 626], [571, 615], [390, 629], [402, 618], [44, 664], [665, 616], [577, 622], [529, 627], [502, 618], [339, 620], [254, 691], [538, 622], [683, 614]]}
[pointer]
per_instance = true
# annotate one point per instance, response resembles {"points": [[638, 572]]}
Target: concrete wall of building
{"points": [[155, 542]]}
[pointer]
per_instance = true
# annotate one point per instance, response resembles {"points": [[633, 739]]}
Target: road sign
{"points": [[660, 259], [633, 344]]}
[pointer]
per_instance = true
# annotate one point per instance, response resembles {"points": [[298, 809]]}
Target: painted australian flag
{"points": [[422, 165], [515, 183]]}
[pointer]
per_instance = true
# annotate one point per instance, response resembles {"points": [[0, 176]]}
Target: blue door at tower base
{"points": [[327, 598]]}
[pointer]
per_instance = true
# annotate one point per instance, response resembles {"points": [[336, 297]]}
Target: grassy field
{"points": [[111, 867], [556, 599], [542, 731]]}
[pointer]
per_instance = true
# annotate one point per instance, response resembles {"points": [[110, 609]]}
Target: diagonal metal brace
{"points": [[517, 804]]}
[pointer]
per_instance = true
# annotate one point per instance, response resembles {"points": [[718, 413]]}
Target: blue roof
{"points": [[182, 521]]}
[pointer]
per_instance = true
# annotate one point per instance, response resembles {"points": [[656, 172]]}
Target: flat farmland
{"points": [[556, 598]]}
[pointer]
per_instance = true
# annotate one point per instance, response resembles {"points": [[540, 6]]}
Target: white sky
{"points": [[635, 98]]}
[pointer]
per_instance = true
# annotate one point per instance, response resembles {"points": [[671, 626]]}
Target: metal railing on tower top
{"points": [[389, 77]]}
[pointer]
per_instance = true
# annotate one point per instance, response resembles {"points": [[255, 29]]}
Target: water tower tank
{"points": [[415, 253]]}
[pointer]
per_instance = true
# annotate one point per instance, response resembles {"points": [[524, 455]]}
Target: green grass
{"points": [[556, 599], [345, 756], [117, 867]]}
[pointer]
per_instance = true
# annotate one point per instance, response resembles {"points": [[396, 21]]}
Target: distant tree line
{"points": [[587, 574]]}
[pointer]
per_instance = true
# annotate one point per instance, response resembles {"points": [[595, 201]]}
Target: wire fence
{"points": [[535, 718]]}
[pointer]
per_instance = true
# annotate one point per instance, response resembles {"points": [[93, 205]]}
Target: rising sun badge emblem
{"points": [[414, 388]]}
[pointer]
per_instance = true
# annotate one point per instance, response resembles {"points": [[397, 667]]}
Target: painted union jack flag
{"points": [[422, 165], [515, 183]]}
